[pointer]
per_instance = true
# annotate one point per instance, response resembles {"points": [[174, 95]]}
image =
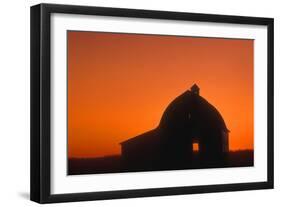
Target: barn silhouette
{"points": [[191, 134]]}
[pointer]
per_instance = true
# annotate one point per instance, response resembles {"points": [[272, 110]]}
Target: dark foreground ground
{"points": [[112, 164]]}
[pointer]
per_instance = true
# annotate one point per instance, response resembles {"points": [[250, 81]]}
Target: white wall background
{"points": [[14, 101]]}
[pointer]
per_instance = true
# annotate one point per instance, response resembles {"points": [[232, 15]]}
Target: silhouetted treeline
{"points": [[113, 164]]}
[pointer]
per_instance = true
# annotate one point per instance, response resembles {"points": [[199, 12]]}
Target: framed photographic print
{"points": [[132, 103]]}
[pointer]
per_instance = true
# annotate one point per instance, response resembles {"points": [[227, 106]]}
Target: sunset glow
{"points": [[120, 84]]}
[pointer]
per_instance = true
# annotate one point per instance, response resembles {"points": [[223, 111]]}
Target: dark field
{"points": [[112, 164]]}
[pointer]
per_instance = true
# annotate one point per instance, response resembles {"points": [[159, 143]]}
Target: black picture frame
{"points": [[40, 184]]}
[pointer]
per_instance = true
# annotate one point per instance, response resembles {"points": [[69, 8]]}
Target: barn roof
{"points": [[188, 105], [196, 106], [146, 137]]}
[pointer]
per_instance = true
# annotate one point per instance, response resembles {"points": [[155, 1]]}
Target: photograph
{"points": [[129, 103], [154, 102]]}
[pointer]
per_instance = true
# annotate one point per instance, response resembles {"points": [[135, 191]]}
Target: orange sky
{"points": [[120, 84]]}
